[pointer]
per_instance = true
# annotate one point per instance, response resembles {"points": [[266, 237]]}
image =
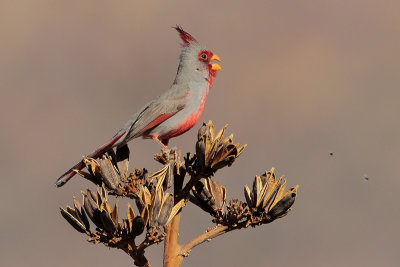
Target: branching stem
{"points": [[137, 255], [207, 236]]}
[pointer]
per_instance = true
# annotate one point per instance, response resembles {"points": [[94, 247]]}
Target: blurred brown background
{"points": [[299, 79]]}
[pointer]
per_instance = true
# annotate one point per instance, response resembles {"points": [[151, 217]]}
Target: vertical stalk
{"points": [[171, 246]]}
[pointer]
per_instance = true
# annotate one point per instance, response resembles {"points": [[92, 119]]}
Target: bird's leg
{"points": [[163, 147]]}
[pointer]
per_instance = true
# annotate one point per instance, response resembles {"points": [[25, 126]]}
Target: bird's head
{"points": [[195, 58]]}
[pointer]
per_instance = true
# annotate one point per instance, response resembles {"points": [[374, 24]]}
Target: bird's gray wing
{"points": [[157, 111]]}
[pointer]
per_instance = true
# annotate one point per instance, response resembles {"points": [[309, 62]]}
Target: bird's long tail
{"points": [[63, 179]]}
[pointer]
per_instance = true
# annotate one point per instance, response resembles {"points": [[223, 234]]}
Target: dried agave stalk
{"points": [[157, 211]]}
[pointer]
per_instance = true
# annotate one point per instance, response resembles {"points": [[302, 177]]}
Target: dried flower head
{"points": [[212, 151], [76, 217], [156, 210], [268, 198], [112, 171], [97, 209], [236, 211], [211, 196]]}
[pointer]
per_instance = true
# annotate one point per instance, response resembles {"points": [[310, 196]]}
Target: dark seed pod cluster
{"points": [[213, 152], [236, 211], [155, 210], [76, 217], [211, 196], [268, 198], [112, 171], [155, 207]]}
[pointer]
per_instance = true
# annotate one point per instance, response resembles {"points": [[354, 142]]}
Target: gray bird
{"points": [[172, 113]]}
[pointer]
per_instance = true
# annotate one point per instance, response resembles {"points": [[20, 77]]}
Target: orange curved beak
{"points": [[215, 66]]}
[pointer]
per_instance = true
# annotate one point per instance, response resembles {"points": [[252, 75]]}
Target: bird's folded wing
{"points": [[157, 112]]}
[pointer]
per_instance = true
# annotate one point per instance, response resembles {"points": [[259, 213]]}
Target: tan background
{"points": [[299, 79]]}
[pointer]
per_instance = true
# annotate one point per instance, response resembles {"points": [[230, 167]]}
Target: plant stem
{"points": [[171, 246], [138, 257], [141, 260], [207, 236]]}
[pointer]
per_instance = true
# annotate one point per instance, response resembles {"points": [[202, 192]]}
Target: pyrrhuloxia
{"points": [[175, 111]]}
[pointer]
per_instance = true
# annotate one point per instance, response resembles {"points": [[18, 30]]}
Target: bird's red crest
{"points": [[186, 37]]}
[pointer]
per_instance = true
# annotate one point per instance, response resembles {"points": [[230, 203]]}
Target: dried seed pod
{"points": [[236, 211], [113, 157], [203, 197], [163, 177], [267, 193], [72, 212], [202, 131], [114, 213], [178, 206], [112, 170], [249, 197], [226, 155], [105, 206], [101, 194], [156, 206], [130, 214], [140, 204], [210, 195], [108, 174], [92, 209], [81, 214], [89, 177], [263, 191], [73, 221], [77, 216], [145, 215], [202, 193], [281, 208], [212, 152], [218, 192], [107, 222], [137, 226], [201, 146], [167, 205], [89, 203], [93, 167], [92, 195], [145, 196]]}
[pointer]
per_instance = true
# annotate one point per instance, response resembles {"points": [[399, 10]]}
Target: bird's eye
{"points": [[203, 56]]}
